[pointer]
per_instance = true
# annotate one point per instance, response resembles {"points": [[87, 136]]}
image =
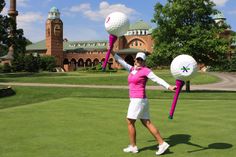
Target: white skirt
{"points": [[138, 109]]}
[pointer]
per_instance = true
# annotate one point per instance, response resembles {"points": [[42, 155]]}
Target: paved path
{"points": [[227, 83]]}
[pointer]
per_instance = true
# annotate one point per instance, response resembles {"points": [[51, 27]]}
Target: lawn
{"points": [[99, 78], [80, 122]]}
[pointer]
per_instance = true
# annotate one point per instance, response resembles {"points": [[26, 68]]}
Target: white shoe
{"points": [[162, 148], [131, 149]]}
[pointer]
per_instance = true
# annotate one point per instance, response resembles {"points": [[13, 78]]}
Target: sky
{"points": [[84, 19]]}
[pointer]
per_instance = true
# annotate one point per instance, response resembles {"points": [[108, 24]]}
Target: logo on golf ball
{"points": [[117, 23], [108, 19], [186, 69]]}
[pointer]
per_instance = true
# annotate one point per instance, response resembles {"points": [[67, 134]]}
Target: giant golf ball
{"points": [[117, 23], [183, 67]]}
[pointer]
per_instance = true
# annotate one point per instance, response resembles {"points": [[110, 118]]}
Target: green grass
{"points": [[117, 78], [29, 95], [80, 122]]}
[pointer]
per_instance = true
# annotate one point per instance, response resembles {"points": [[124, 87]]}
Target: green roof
{"points": [[139, 25], [78, 46], [54, 10], [81, 46], [41, 45]]}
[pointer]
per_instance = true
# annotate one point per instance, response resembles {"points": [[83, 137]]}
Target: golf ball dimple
{"points": [[183, 67], [117, 23]]}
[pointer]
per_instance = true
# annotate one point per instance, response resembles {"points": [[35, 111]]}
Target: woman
{"points": [[138, 107]]}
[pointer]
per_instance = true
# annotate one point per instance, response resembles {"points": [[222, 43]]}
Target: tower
{"points": [[12, 12], [54, 36]]}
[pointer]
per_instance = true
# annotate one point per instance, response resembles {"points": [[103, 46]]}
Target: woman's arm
{"points": [[160, 81]]}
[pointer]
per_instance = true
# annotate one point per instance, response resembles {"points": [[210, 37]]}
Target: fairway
{"points": [[88, 127], [95, 78]]}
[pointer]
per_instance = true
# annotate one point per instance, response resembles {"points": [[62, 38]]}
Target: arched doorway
{"points": [[73, 64], [88, 62], [80, 62], [110, 62], [66, 64], [95, 62], [102, 60]]}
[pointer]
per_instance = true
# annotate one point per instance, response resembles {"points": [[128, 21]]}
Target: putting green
{"points": [[88, 127]]}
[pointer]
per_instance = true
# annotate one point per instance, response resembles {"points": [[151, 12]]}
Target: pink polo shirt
{"points": [[137, 80]]}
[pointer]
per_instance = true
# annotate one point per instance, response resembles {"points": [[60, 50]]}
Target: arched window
{"points": [[95, 62], [80, 62], [88, 62]]}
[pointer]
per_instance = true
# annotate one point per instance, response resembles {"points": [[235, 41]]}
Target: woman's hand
{"points": [[172, 88]]}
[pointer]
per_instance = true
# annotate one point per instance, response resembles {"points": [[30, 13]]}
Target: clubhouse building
{"points": [[71, 55]]}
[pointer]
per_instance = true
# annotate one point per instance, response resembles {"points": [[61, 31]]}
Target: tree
{"points": [[187, 27], [3, 30], [9, 35], [2, 4]]}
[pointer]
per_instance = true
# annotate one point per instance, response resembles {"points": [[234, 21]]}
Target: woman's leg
{"points": [[153, 130], [131, 131]]}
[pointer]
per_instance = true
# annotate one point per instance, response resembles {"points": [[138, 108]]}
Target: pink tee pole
{"points": [[179, 84], [112, 40]]}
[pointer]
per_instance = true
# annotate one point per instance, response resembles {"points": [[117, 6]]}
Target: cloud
{"points": [[22, 3], [81, 7], [220, 2], [27, 18], [104, 9], [33, 25]]}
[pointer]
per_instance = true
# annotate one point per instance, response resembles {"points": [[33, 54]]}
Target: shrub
{"points": [[233, 64], [32, 63], [6, 68], [47, 63], [226, 65], [1, 68], [18, 63]]}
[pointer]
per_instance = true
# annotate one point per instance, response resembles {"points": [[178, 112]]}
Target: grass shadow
{"points": [[174, 140], [214, 146], [185, 139]]}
